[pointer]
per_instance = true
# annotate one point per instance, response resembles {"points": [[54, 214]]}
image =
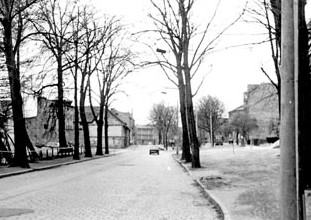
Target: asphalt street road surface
{"points": [[131, 185]]}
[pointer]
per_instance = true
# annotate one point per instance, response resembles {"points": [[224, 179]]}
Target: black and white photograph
{"points": [[155, 110]]}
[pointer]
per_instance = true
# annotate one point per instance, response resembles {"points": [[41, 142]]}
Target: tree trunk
{"points": [[186, 155], [160, 137], [85, 126], [106, 130], [276, 11], [194, 142], [165, 139], [237, 138], [20, 132], [60, 102], [243, 139], [86, 133], [76, 153], [100, 125]]}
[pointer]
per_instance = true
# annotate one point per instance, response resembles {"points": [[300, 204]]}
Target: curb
{"points": [[52, 166], [16, 173], [217, 203]]}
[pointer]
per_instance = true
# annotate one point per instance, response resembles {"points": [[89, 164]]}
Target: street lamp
{"points": [[161, 51]]}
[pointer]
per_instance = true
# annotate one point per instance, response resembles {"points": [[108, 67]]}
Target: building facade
{"points": [[120, 128], [42, 126], [261, 103], [146, 134]]}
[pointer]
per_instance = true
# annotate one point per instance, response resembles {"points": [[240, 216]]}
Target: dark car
{"points": [[219, 142], [154, 150]]}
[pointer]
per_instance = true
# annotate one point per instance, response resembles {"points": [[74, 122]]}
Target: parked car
{"points": [[154, 150], [219, 142]]}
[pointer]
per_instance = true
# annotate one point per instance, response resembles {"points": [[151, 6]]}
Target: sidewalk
{"points": [[243, 181], [6, 171]]}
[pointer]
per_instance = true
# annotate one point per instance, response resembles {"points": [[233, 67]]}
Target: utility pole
{"points": [[288, 187], [295, 109]]}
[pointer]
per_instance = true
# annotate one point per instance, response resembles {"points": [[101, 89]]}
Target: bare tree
{"points": [[73, 57], [210, 110], [268, 14], [163, 117], [175, 27], [114, 66], [54, 19], [92, 48], [243, 124], [169, 121], [13, 18]]}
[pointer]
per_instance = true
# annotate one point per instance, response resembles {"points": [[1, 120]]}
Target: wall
{"points": [[261, 102], [44, 127]]}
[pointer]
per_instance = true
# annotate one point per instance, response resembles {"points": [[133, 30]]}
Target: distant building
{"points": [[261, 103], [146, 134]]}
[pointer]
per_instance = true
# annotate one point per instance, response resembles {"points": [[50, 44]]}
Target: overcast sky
{"points": [[229, 71]]}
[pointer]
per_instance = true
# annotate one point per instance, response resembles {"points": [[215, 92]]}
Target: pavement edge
{"points": [[211, 196], [52, 166]]}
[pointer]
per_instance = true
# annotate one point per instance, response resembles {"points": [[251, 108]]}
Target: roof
{"points": [[126, 117], [240, 108], [90, 117]]}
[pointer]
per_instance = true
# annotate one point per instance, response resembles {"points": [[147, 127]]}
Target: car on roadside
{"points": [[154, 150], [219, 142]]}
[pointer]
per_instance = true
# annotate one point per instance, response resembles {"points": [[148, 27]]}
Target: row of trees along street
{"points": [[190, 44], [210, 121], [71, 39]]}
